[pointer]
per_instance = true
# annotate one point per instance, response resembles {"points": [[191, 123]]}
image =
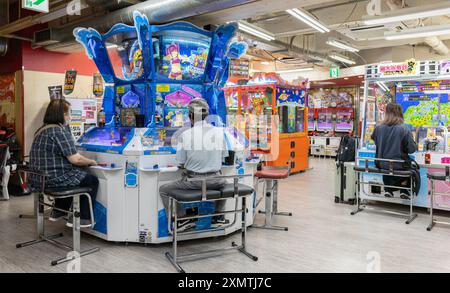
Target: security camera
{"points": [[254, 44]]}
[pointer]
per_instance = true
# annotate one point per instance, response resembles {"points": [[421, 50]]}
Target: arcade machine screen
{"points": [[344, 121], [128, 104], [181, 55], [107, 137], [172, 101], [424, 103], [159, 139], [325, 120]]}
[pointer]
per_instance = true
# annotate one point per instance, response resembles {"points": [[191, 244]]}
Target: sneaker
{"points": [[56, 215], [83, 223], [186, 225], [389, 194], [404, 194]]}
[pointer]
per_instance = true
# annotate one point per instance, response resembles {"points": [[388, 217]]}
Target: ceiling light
{"points": [[341, 59], [341, 45], [383, 86], [441, 8], [265, 62], [296, 70], [308, 19], [256, 31], [418, 32]]}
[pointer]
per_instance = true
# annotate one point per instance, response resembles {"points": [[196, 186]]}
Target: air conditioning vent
{"points": [[45, 37]]}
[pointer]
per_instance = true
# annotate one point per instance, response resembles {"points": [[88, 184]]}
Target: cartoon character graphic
{"points": [[258, 105], [173, 56]]}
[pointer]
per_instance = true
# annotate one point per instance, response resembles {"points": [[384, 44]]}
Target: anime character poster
{"points": [[7, 101], [183, 61]]}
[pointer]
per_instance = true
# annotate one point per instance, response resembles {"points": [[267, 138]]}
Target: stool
{"points": [[180, 196], [368, 169], [433, 177], [60, 193], [270, 191]]}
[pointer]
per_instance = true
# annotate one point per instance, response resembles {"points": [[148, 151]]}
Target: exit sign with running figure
{"points": [[36, 5]]}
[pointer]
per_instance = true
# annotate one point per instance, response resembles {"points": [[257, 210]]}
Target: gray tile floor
{"points": [[322, 237]]}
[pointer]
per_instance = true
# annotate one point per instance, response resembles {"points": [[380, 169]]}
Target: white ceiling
{"points": [[343, 17]]}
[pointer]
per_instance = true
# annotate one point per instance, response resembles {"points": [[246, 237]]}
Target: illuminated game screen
{"points": [[106, 136], [424, 103], [172, 101], [156, 138], [182, 57]]}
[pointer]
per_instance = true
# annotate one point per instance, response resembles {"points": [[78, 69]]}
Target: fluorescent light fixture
{"points": [[341, 58], [341, 45], [308, 19], [265, 62], [255, 31], [383, 86], [419, 32], [296, 70], [423, 11]]}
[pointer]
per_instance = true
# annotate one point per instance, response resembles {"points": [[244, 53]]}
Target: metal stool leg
{"points": [[432, 222], [412, 216], [275, 202], [358, 201], [269, 211], [173, 258], [242, 248]]}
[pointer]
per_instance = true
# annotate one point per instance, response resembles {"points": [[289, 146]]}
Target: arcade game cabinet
{"points": [[153, 73]]}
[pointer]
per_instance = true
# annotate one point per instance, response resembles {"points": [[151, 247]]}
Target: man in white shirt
{"points": [[201, 150]]}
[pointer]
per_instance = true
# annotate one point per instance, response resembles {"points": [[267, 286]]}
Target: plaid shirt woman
{"points": [[53, 151]]}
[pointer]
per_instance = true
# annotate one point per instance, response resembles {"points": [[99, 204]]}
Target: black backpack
{"points": [[346, 150]]}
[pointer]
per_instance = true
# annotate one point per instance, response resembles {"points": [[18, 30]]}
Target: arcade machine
{"points": [[422, 88], [276, 118], [152, 73], [333, 111]]}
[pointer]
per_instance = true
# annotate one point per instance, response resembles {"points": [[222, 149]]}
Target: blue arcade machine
{"points": [[152, 72]]}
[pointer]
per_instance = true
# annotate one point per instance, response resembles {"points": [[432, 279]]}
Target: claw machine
{"points": [[273, 115]]}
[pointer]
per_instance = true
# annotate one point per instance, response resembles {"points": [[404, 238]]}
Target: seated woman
{"points": [[394, 141], [53, 151]]}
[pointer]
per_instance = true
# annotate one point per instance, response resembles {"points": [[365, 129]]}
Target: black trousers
{"points": [[396, 181], [65, 203]]}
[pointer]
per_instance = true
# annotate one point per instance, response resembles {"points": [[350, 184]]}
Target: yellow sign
{"points": [[402, 69], [163, 88], [120, 89]]}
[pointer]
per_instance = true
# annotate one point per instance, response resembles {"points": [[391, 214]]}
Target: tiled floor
{"points": [[322, 237]]}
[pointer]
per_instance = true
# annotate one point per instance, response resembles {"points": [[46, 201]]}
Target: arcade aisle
{"points": [[322, 237]]}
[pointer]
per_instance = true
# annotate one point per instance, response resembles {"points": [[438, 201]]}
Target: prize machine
{"points": [[275, 118], [152, 72], [422, 88], [331, 116]]}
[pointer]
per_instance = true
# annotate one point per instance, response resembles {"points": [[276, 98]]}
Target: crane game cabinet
{"points": [[422, 89], [274, 116], [152, 73]]}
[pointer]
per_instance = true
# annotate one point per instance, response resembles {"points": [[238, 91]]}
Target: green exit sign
{"points": [[334, 72], [36, 5]]}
